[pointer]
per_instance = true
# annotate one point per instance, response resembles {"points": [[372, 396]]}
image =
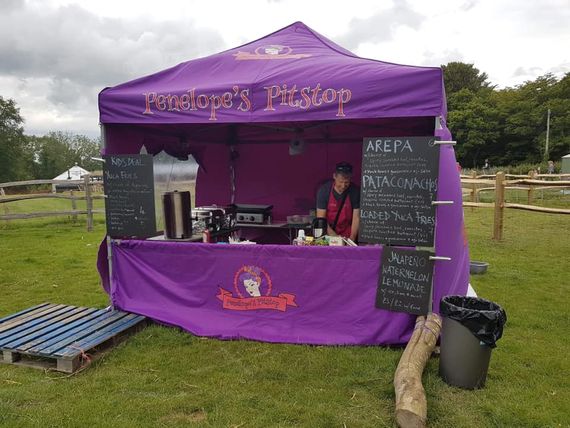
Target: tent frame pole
{"points": [[109, 245]]}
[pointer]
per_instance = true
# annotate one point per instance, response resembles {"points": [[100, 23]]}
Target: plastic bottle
{"points": [[300, 239]]}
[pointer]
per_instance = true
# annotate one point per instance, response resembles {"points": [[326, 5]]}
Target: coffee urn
{"points": [[177, 220]]}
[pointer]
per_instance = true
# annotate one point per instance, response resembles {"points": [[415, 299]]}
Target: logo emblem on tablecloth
{"points": [[253, 288]]}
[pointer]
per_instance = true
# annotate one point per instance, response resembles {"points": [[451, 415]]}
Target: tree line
{"points": [[506, 126], [30, 157]]}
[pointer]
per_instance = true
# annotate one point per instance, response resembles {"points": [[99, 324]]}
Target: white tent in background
{"points": [[73, 173]]}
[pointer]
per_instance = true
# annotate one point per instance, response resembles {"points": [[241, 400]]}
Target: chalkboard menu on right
{"points": [[405, 281], [399, 183], [129, 190]]}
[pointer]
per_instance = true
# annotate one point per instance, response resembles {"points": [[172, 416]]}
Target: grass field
{"points": [[166, 377]]}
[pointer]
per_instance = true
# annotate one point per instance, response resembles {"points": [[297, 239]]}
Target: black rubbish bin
{"points": [[470, 330]]}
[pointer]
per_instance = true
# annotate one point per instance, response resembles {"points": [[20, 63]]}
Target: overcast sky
{"points": [[56, 55]]}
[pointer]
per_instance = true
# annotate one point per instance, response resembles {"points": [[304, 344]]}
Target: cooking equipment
{"points": [[176, 210], [258, 214], [319, 227], [214, 218]]}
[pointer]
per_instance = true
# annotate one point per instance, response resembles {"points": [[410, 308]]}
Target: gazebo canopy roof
{"points": [[291, 75]]}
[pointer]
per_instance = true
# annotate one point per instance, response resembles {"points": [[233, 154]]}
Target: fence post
{"points": [[474, 195], [532, 175], [73, 206], [6, 210], [88, 202], [499, 206]]}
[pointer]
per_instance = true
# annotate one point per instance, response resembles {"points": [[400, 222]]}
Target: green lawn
{"points": [[166, 377]]}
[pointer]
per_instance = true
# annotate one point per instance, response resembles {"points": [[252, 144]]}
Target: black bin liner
{"points": [[483, 318]]}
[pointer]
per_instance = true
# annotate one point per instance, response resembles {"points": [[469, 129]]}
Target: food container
{"points": [[335, 241]]}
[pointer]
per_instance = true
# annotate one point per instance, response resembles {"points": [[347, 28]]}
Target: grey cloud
{"points": [[68, 94], [380, 26], [561, 69], [530, 71], [435, 59], [547, 17], [69, 54], [74, 44], [468, 5], [533, 72], [10, 5]]}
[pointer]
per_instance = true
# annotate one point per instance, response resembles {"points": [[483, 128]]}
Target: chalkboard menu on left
{"points": [[405, 281], [129, 187]]}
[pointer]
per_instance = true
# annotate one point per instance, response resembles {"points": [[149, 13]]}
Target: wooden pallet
{"points": [[60, 337]]}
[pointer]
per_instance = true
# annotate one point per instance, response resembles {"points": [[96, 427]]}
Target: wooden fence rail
{"points": [[529, 183], [86, 183], [493, 176]]}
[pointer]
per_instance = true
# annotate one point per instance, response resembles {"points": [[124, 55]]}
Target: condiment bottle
{"points": [[300, 240]]}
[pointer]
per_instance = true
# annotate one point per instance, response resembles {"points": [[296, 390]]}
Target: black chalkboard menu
{"points": [[129, 190], [405, 281], [399, 183]]}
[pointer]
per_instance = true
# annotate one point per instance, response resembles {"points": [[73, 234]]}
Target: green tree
{"points": [[59, 151], [474, 122], [459, 75], [85, 149], [473, 118], [558, 101], [507, 126], [13, 154], [524, 110]]}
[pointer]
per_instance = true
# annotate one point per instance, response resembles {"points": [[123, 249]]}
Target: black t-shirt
{"points": [[325, 190]]}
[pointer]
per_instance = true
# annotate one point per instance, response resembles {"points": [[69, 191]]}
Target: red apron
{"points": [[343, 225]]}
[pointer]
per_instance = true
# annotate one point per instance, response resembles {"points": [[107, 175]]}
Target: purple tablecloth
{"points": [[314, 295]]}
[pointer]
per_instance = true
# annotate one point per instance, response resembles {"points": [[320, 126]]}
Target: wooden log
{"points": [[73, 206], [411, 403], [474, 195], [539, 182], [88, 202], [32, 182], [38, 214], [560, 176], [516, 175], [37, 196], [499, 206], [538, 209], [478, 204], [488, 189], [46, 214], [477, 181], [530, 199], [2, 197]]}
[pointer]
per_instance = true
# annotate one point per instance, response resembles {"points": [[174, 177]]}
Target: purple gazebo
{"points": [[238, 113]]}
